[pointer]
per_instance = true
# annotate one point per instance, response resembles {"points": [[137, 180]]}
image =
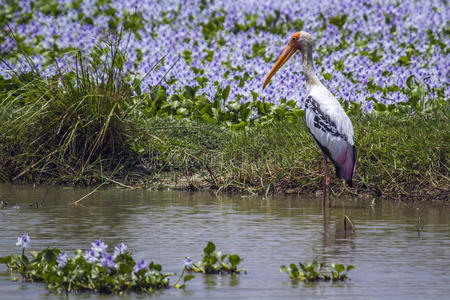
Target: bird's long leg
{"points": [[326, 182]]}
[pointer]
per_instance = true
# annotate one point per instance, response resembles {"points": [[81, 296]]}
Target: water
{"points": [[391, 261]]}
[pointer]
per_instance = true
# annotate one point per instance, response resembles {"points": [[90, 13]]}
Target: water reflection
{"points": [[336, 240], [166, 226]]}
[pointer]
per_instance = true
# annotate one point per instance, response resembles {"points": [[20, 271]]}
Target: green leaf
{"points": [[234, 259], [327, 76], [5, 259], [339, 65], [410, 80], [379, 106], [188, 277], [284, 269], [210, 247], [209, 54], [338, 20], [294, 271], [403, 60], [51, 255], [338, 267], [254, 95], [158, 94], [197, 71], [226, 92], [302, 266], [292, 103], [187, 56]]}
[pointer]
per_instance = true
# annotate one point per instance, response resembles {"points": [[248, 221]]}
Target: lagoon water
{"points": [[391, 261]]}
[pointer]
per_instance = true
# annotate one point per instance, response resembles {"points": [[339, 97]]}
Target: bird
{"points": [[326, 120]]}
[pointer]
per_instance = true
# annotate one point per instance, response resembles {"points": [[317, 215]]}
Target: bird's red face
{"points": [[292, 46]]}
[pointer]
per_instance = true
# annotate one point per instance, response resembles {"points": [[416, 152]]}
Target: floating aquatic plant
{"points": [[315, 271], [213, 262], [91, 270]]}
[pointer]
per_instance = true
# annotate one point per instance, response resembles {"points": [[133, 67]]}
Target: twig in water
{"points": [[117, 182], [88, 194], [349, 223], [419, 226], [267, 190]]}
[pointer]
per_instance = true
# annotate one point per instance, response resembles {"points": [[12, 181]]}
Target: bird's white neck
{"points": [[308, 68]]}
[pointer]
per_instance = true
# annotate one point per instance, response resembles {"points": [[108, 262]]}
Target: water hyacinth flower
{"points": [[107, 261], [23, 241], [98, 246], [140, 265], [119, 249], [91, 256], [62, 260], [188, 263]]}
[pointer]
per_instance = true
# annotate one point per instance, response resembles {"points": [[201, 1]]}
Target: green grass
{"points": [[69, 126], [406, 155], [398, 156]]}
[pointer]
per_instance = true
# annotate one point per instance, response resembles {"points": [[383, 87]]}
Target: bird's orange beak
{"points": [[284, 57]]}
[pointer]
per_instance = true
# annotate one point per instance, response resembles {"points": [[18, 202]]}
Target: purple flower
{"points": [[62, 260], [107, 261], [98, 246], [119, 249], [374, 44], [188, 263], [140, 265], [91, 256], [23, 241]]}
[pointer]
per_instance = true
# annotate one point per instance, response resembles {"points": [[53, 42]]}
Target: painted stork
{"points": [[325, 118]]}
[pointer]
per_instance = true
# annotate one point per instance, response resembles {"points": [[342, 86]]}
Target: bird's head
{"points": [[297, 41]]}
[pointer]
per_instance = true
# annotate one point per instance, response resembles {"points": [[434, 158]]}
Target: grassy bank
{"points": [[399, 157], [47, 136]]}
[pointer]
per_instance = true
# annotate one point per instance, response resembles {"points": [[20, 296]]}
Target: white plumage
{"points": [[332, 108], [332, 129]]}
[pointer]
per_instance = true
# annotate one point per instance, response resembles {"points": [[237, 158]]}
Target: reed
{"points": [[70, 123]]}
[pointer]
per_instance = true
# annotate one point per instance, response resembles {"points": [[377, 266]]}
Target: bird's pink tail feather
{"points": [[346, 162]]}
